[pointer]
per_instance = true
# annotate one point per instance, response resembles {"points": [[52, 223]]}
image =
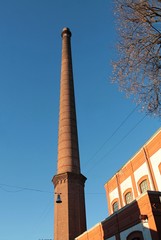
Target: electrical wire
{"points": [[29, 189], [10, 191], [117, 144], [2, 187], [110, 137], [42, 217]]}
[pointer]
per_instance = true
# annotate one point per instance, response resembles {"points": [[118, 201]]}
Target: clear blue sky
{"points": [[30, 57]]}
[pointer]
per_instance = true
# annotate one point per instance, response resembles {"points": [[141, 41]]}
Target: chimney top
{"points": [[66, 32]]}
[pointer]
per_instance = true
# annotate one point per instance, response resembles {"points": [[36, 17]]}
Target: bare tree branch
{"points": [[138, 68]]}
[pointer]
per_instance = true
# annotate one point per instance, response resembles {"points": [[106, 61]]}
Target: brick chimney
{"points": [[69, 215]]}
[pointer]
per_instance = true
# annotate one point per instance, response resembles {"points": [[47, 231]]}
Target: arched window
{"points": [[144, 186], [128, 197], [136, 235], [115, 206]]}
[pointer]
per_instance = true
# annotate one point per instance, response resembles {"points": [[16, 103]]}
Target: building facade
{"points": [[134, 198], [139, 174]]}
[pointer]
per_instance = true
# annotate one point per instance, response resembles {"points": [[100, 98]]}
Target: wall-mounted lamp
{"points": [[143, 217], [58, 199]]}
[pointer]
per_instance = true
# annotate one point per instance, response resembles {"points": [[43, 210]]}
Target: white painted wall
{"points": [[140, 172], [139, 227], [114, 194], [155, 161], [124, 186]]}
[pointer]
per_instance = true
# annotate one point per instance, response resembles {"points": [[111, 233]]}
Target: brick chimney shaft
{"points": [[68, 150], [70, 214]]}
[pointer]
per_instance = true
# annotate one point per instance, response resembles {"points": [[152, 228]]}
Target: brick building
{"points": [[134, 198]]}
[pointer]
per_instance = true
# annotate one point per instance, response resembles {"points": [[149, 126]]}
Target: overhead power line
{"points": [[14, 189], [110, 137], [117, 144], [19, 189]]}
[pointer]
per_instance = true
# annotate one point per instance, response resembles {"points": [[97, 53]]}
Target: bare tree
{"points": [[138, 68]]}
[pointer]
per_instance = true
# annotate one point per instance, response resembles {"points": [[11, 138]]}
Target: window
{"points": [[115, 206], [144, 186], [128, 197]]}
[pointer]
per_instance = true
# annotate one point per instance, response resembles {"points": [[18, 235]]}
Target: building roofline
{"points": [[146, 143], [89, 230], [148, 192]]}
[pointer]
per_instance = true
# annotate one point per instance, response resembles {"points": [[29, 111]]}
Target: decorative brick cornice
{"points": [[70, 177], [59, 178]]}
